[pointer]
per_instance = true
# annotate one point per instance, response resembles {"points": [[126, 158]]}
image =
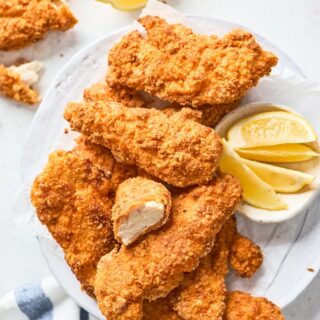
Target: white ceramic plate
{"points": [[297, 202], [286, 246]]}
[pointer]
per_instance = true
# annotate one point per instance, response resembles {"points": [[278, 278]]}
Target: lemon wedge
{"points": [[279, 153], [126, 5], [256, 192], [271, 128], [280, 179]]}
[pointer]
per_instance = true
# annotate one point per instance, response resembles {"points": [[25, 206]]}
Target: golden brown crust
{"points": [[24, 22], [202, 293], [133, 193], [70, 197], [155, 265], [178, 151], [243, 306], [159, 310], [176, 65], [13, 87], [245, 257], [103, 159]]}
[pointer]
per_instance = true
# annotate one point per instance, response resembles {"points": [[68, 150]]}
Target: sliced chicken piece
{"points": [[141, 205]]}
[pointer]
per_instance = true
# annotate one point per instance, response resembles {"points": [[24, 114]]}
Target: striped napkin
{"points": [[41, 300]]}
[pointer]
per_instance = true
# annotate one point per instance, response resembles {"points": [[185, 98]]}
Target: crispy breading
{"points": [[243, 306], [245, 257], [71, 199], [102, 158], [155, 265], [23, 22], [176, 65], [12, 86], [210, 114], [136, 208], [178, 151], [159, 310], [202, 293], [102, 92]]}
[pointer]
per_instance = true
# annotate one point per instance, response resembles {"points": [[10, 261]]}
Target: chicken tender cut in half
{"points": [[176, 150], [202, 293], [71, 199], [23, 22], [156, 265], [245, 257], [179, 66], [141, 205], [16, 82], [243, 306]]}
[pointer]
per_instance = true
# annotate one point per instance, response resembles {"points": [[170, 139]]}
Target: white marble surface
{"points": [[293, 25]]}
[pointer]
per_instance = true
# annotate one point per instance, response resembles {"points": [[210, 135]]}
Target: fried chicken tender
{"points": [[155, 265], [245, 257], [71, 199], [141, 205], [23, 22], [16, 82], [202, 293], [159, 310], [176, 150], [243, 306], [178, 66]]}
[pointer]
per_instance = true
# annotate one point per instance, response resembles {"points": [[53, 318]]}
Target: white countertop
{"points": [[292, 25]]}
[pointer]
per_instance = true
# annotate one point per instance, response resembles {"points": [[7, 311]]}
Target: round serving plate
{"points": [[287, 246]]}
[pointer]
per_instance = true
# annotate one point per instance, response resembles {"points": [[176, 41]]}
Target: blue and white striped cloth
{"points": [[41, 300]]}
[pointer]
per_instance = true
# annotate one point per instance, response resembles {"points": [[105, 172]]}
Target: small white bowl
{"points": [[297, 202]]}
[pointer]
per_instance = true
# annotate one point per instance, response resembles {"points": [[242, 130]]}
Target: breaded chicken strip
{"points": [[71, 199], [202, 293], [245, 257], [243, 306], [174, 149], [159, 310], [16, 82], [155, 265], [178, 66], [141, 205], [23, 22]]}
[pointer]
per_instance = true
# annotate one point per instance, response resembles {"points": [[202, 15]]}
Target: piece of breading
{"points": [[245, 257], [102, 158], [159, 309], [141, 205], [178, 66], [71, 199], [176, 150], [156, 265], [23, 22], [128, 97], [243, 306], [16, 82], [202, 293]]}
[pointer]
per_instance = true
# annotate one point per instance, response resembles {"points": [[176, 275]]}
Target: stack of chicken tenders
{"points": [[139, 207]]}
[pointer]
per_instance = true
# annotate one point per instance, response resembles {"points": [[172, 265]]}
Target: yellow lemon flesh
{"points": [[280, 179], [271, 128], [126, 5], [279, 153], [256, 192]]}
